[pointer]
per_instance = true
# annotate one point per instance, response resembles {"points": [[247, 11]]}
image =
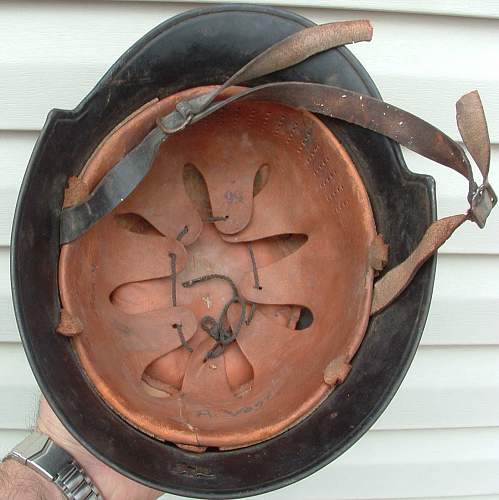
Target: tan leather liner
{"points": [[310, 228]]}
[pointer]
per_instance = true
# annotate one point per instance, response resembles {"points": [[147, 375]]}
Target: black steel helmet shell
{"points": [[200, 47]]}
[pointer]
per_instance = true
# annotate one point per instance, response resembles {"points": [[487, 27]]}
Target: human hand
{"points": [[112, 484]]}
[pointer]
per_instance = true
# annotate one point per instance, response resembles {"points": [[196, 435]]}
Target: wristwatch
{"points": [[54, 463]]}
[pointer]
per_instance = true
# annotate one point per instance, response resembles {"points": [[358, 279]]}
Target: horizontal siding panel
{"points": [[19, 393], [452, 190], [463, 309], [458, 464], [8, 329], [467, 497], [25, 104], [425, 64], [403, 464], [460, 497], [490, 9], [444, 388], [414, 60], [9, 438], [439, 437], [451, 193], [447, 387]]}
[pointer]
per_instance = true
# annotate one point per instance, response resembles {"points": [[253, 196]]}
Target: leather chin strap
{"points": [[352, 107]]}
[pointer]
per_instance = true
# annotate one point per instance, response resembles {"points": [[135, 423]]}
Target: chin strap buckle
{"points": [[483, 201], [177, 120]]}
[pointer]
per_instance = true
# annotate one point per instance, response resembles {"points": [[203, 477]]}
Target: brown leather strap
{"points": [[362, 110], [411, 132], [393, 283], [125, 176], [290, 51], [368, 112], [300, 46], [473, 129]]}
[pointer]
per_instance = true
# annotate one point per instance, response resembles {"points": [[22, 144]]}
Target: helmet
{"points": [[216, 260]]}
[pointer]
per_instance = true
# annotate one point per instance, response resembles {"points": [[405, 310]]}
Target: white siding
{"points": [[439, 437]]}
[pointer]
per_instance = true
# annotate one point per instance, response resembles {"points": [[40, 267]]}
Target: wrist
{"points": [[51, 461], [17, 481], [95, 469], [111, 484]]}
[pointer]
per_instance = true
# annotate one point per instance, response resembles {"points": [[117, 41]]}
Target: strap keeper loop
{"points": [[177, 120]]}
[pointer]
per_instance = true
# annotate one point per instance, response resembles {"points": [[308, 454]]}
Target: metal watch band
{"points": [[51, 461]]}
